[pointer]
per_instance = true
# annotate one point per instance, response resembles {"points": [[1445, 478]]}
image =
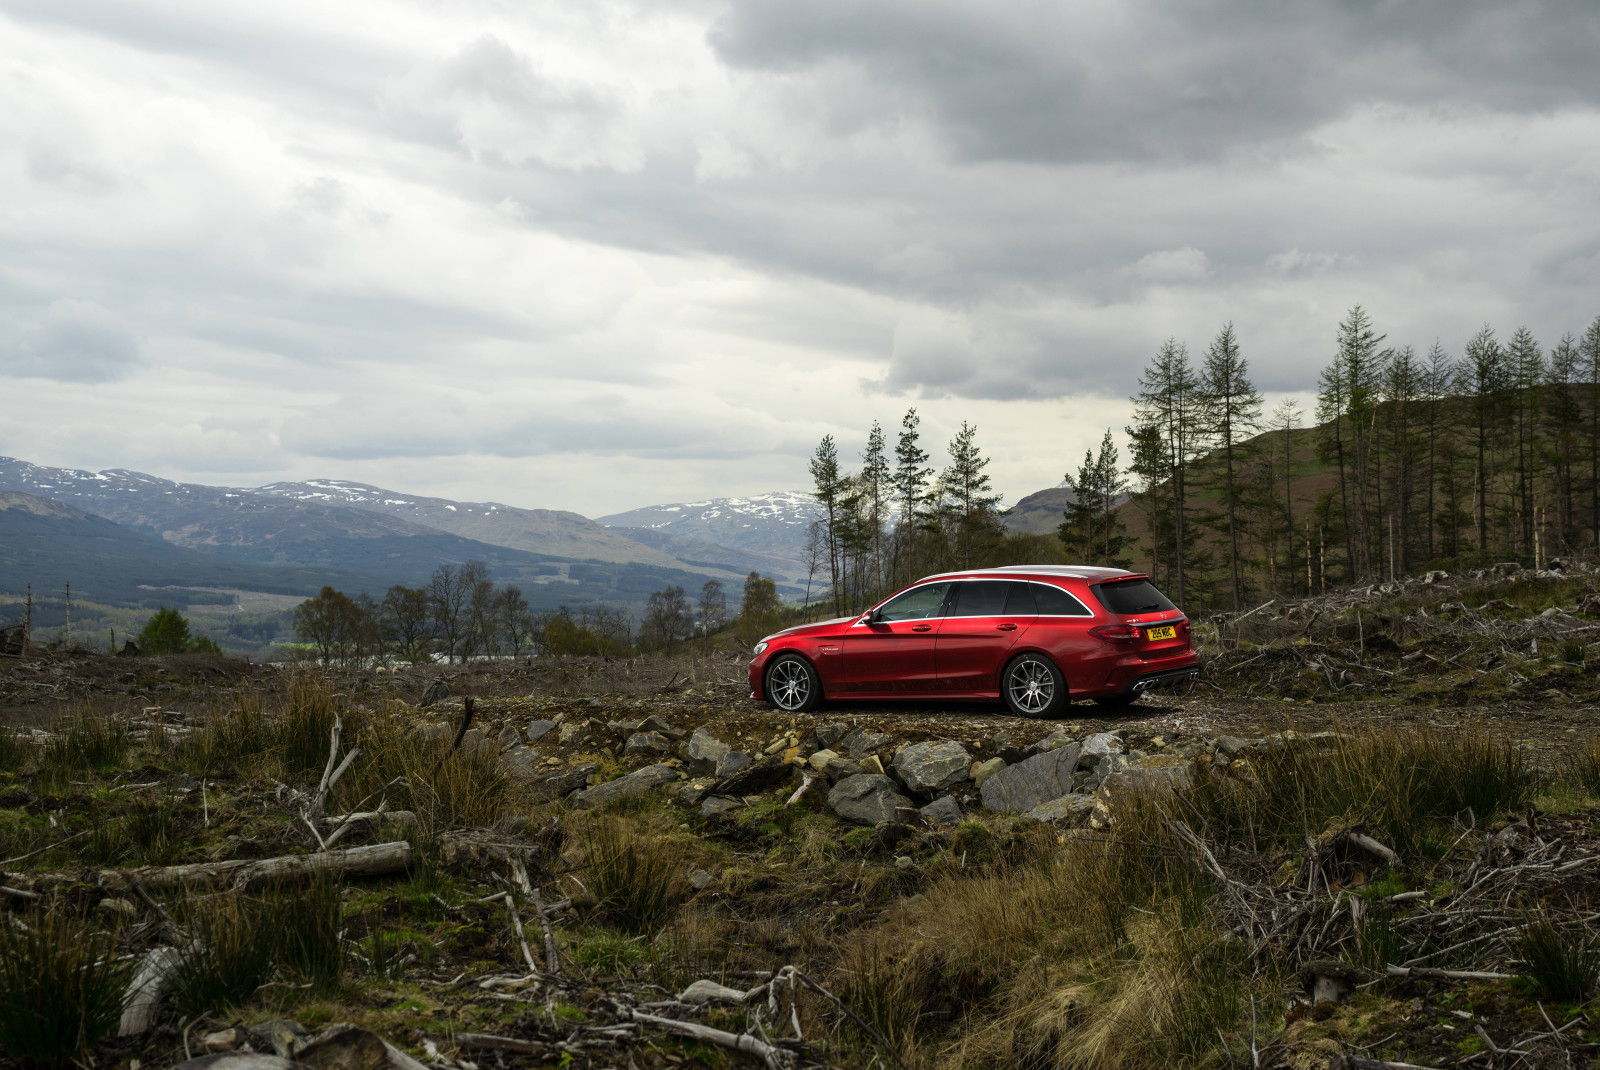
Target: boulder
{"points": [[281, 1036], [437, 730], [942, 811], [819, 761], [537, 730], [829, 734], [509, 737], [1068, 809], [932, 766], [1110, 764], [1098, 746], [871, 764], [700, 880], [1033, 782], [839, 768], [574, 734], [520, 761], [717, 804], [626, 787], [645, 743], [562, 782], [862, 742], [866, 798], [703, 751], [733, 762], [758, 778], [982, 771], [694, 791], [1157, 773], [437, 691], [653, 723]]}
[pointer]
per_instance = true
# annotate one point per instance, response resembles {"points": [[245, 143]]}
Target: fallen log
{"points": [[775, 1058], [373, 860]]}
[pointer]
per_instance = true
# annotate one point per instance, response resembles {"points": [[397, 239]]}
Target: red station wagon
{"points": [[1034, 636]]}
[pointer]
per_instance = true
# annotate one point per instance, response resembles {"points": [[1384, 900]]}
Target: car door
{"points": [[893, 650], [983, 622]]}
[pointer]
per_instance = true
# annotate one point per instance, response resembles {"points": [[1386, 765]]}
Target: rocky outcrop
{"points": [[1033, 782], [562, 782], [704, 751], [933, 766], [866, 799], [1069, 809], [942, 811]]}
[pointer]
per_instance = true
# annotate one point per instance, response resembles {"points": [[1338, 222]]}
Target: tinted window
{"points": [[980, 598], [919, 603], [1131, 596], [1054, 602], [1019, 600]]}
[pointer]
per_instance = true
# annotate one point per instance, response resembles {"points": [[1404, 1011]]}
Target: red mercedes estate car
{"points": [[1034, 636]]}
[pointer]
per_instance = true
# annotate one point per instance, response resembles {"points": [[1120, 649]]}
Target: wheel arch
{"points": [[1011, 659], [816, 670]]}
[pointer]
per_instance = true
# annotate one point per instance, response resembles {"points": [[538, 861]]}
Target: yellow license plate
{"points": [[1169, 632]]}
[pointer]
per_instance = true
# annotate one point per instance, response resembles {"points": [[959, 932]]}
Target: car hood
{"points": [[821, 627]]}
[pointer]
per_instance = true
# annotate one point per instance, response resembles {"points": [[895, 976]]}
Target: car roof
{"points": [[1091, 573]]}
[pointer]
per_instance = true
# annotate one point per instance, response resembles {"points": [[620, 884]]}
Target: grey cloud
{"points": [[1143, 80], [75, 341]]}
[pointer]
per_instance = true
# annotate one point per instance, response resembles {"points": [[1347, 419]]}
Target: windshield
{"points": [[1131, 596]]}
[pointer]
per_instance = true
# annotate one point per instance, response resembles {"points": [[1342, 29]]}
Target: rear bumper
{"points": [[1150, 681]]}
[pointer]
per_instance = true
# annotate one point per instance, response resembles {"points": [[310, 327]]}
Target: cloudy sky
{"points": [[597, 255]]}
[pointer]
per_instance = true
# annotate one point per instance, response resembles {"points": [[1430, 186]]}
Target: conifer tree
{"points": [[828, 487], [1233, 416], [1090, 524], [1563, 413], [911, 476], [1169, 400], [877, 486], [967, 489], [1484, 375]]}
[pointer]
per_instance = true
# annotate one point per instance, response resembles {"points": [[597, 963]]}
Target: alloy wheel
{"points": [[789, 684], [1031, 685]]}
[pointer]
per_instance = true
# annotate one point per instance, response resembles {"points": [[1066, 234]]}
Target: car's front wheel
{"points": [[1032, 686], [792, 684]]}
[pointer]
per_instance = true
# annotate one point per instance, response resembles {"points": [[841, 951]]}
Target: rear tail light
{"points": [[1118, 633]]}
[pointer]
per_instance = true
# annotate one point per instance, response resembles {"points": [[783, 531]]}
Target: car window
{"points": [[1054, 602], [980, 598], [919, 603], [1131, 596], [1019, 600]]}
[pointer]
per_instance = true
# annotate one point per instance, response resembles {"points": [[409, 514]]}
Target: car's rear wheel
{"points": [[1117, 702], [792, 684], [1032, 686]]}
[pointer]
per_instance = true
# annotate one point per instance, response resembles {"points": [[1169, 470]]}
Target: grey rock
{"points": [[1232, 745], [1111, 763], [862, 742], [626, 787], [645, 743], [942, 811], [693, 793], [437, 691], [349, 1047], [509, 737], [437, 730], [866, 798], [1056, 739], [562, 782], [829, 734], [718, 804], [819, 761], [904, 862], [476, 741], [653, 723], [1032, 782], [700, 880], [521, 761], [537, 730], [733, 762], [986, 769], [1151, 775], [1067, 809], [764, 776], [932, 766], [1098, 746], [704, 751], [573, 734], [281, 1036], [839, 768], [118, 907]]}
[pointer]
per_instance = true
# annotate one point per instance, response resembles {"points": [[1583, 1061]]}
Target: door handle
{"points": [[922, 627], [1006, 627]]}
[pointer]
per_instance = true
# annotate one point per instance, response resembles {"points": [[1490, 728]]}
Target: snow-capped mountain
{"points": [[772, 524]]}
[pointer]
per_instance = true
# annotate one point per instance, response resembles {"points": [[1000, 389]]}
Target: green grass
{"points": [[1562, 962], [634, 877], [61, 987]]}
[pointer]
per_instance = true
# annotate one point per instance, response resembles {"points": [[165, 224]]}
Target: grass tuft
{"points": [[229, 959], [1563, 963], [61, 988], [634, 878]]}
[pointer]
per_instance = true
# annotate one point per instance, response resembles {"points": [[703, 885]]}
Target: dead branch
{"points": [[775, 1058], [373, 860]]}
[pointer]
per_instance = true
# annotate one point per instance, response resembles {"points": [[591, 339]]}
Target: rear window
{"points": [[1131, 596]]}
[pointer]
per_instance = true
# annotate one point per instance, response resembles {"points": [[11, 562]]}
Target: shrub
{"points": [[634, 878], [1563, 963], [61, 988], [303, 732], [166, 632], [230, 957]]}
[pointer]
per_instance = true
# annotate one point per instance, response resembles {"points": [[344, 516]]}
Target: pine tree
{"points": [[1233, 415], [1150, 467], [1484, 375], [1091, 524], [877, 485], [1437, 379], [1362, 365], [1285, 419], [1525, 364], [1591, 367], [1169, 400], [1562, 414], [911, 476], [1402, 387], [966, 487], [828, 486]]}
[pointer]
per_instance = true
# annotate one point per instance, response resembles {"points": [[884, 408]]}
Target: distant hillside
{"points": [[772, 524], [1041, 512], [48, 544]]}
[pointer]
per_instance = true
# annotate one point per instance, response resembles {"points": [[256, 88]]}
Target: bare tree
{"points": [[713, 609]]}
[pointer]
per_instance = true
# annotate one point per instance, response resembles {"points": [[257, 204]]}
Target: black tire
{"points": [[1032, 686], [1119, 702], [792, 685]]}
